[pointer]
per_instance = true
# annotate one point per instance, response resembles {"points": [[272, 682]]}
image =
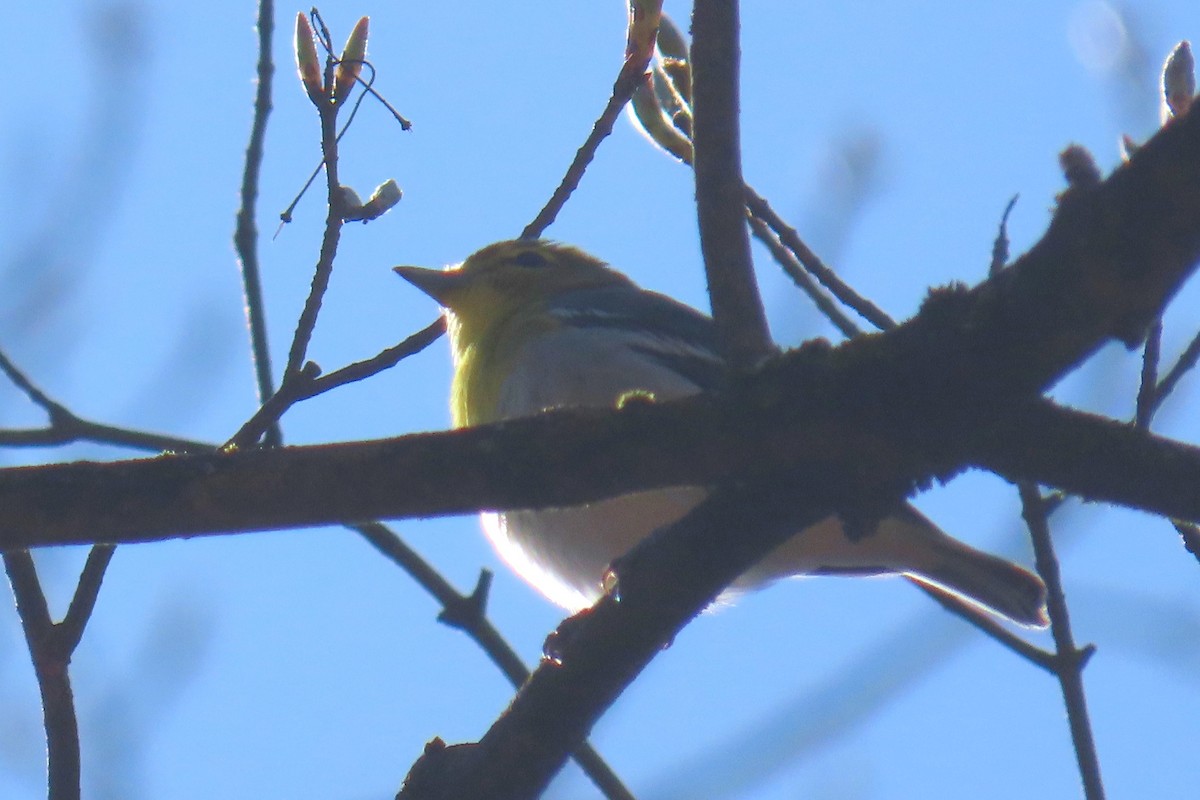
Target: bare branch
{"points": [[328, 111], [1069, 660], [83, 603], [801, 277], [66, 428], [630, 77], [245, 237], [531, 463], [50, 667], [663, 582], [1148, 385], [989, 626], [758, 206], [720, 190], [1184, 364], [467, 613], [360, 370]]}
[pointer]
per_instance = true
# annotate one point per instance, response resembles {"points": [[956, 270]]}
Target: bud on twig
{"points": [[1128, 146], [648, 114], [307, 63], [1178, 81], [385, 196], [351, 62], [1079, 168], [643, 26]]}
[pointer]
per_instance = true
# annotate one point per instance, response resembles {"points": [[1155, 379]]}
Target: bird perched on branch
{"points": [[535, 325]]}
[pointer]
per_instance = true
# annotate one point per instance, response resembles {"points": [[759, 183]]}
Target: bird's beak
{"points": [[439, 284]]}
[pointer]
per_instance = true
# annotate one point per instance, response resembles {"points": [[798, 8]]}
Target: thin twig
{"points": [[795, 270], [1148, 385], [468, 614], [1069, 660], [245, 237], [329, 243], [1000, 245], [73, 429], [802, 263], [286, 215], [83, 602], [988, 625], [626, 83], [309, 382], [36, 395], [1186, 362], [50, 667], [759, 207], [368, 85], [66, 428], [475, 625], [361, 370], [268, 414], [737, 308], [405, 124]]}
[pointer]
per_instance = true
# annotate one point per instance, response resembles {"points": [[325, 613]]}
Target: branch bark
{"points": [[720, 190], [944, 390], [967, 358]]}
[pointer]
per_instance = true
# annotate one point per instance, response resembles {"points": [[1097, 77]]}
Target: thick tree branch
{"points": [[917, 402], [1112, 258], [594, 655], [467, 613], [875, 417], [986, 352], [561, 459], [1092, 457]]}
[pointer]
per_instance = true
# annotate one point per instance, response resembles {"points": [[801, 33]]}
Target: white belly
{"points": [[565, 552]]}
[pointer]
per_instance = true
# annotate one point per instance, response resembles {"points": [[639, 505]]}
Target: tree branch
{"points": [[245, 236], [632, 74], [536, 462], [720, 191], [759, 209], [946, 389], [328, 111], [596, 654], [1068, 659], [50, 660], [466, 612]]}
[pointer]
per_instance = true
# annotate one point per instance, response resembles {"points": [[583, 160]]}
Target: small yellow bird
{"points": [[535, 325]]}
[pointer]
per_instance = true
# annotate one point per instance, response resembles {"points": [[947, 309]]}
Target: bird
{"points": [[536, 325]]}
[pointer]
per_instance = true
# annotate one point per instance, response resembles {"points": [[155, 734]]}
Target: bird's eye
{"points": [[529, 258]]}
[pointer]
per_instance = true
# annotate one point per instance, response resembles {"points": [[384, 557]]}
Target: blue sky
{"points": [[299, 663]]}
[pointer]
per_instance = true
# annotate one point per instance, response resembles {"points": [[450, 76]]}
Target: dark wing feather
{"points": [[678, 336]]}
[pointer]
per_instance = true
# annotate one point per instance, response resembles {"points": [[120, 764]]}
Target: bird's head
{"points": [[508, 277]]}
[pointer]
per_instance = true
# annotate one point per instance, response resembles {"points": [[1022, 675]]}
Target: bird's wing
{"points": [[612, 342]]}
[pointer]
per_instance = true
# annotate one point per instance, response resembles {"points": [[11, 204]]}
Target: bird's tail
{"points": [[988, 581], [909, 544]]}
